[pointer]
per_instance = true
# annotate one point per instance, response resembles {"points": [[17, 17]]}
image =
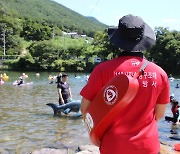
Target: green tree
{"points": [[36, 31], [44, 53], [9, 33], [166, 51], [102, 46]]}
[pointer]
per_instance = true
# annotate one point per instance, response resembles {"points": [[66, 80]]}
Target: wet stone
{"points": [[88, 149], [2, 151], [52, 151], [91, 149]]}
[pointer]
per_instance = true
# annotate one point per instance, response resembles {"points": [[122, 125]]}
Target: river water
{"points": [[27, 124]]}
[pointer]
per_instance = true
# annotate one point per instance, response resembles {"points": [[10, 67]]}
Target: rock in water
{"points": [[51, 151], [88, 149], [2, 151]]}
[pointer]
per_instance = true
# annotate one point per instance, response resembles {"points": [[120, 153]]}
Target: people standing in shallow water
{"points": [[174, 109], [134, 130], [64, 90], [58, 78]]}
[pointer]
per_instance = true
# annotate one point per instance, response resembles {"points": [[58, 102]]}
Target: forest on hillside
{"points": [[53, 14]]}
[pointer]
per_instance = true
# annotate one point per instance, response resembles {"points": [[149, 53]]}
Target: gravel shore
{"points": [[91, 149]]}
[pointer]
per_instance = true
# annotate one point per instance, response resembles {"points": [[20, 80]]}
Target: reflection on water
{"points": [[27, 124]]}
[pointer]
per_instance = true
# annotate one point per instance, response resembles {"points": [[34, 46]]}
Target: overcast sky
{"points": [[165, 13]]}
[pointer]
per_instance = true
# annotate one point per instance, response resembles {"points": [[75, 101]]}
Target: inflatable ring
{"points": [[108, 103], [5, 78]]}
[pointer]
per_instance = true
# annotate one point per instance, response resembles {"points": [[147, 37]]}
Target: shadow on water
{"points": [[70, 116], [27, 124]]}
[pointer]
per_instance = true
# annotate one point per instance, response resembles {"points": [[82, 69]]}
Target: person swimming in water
{"points": [[177, 85], [1, 76], [24, 76], [20, 81], [1, 79], [51, 79]]}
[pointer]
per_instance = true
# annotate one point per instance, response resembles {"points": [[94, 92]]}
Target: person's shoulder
{"points": [[59, 85], [107, 63], [158, 69]]}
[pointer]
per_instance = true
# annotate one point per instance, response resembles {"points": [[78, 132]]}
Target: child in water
{"points": [[175, 110], [1, 78], [20, 81]]}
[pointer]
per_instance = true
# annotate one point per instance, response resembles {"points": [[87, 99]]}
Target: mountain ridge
{"points": [[53, 13]]}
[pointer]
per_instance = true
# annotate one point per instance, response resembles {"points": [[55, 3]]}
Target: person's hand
{"points": [[62, 101], [178, 122], [70, 99]]}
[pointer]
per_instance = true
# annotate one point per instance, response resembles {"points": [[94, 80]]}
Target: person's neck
{"points": [[64, 82], [136, 54]]}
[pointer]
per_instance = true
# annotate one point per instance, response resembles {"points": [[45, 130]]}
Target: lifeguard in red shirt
{"points": [[134, 129]]}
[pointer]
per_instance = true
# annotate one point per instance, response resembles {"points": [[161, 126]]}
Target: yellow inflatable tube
{"points": [[5, 77]]}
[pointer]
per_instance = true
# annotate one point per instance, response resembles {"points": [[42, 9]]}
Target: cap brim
{"points": [[111, 30], [146, 42]]}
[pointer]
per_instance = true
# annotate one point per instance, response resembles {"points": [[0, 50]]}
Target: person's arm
{"points": [[84, 104], [70, 94], [178, 119], [94, 85], [163, 98], [159, 111], [60, 96]]}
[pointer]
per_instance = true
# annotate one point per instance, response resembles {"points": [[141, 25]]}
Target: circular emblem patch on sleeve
{"points": [[89, 122], [110, 95]]}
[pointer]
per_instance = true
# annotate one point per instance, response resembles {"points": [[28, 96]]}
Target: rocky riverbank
{"points": [[91, 149]]}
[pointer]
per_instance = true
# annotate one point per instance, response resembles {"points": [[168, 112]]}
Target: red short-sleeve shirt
{"points": [[135, 128]]}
